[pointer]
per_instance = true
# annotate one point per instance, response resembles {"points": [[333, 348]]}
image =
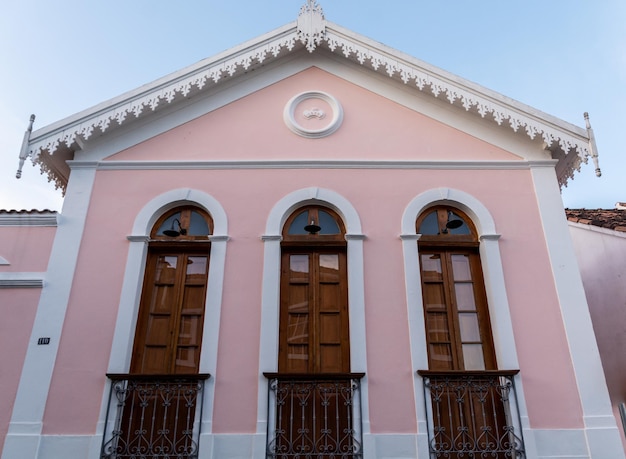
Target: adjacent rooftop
{"points": [[613, 219]]}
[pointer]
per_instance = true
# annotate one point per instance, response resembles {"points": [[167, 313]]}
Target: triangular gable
{"points": [[52, 145], [224, 134]]}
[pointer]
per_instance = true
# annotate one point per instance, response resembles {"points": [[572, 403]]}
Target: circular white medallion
{"points": [[313, 114]]}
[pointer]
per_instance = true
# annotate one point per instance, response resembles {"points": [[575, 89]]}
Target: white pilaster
{"points": [[24, 434], [601, 432]]}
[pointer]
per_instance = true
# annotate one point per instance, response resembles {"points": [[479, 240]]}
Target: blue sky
{"points": [[563, 57]]}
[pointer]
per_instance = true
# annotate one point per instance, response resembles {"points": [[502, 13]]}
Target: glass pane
{"points": [[429, 225], [298, 224], [298, 356], [433, 297], [327, 223], [198, 225], [440, 357], [298, 301], [186, 357], [163, 297], [461, 268], [169, 224], [298, 328], [464, 296], [329, 261], [431, 267], [462, 229], [189, 330], [299, 263], [437, 326], [468, 322], [166, 270], [196, 266], [473, 357], [329, 268]]}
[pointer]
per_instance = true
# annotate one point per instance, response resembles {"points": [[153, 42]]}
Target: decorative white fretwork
{"points": [[311, 25], [313, 32]]}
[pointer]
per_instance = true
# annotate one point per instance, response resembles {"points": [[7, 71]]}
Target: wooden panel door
{"points": [[169, 329], [470, 415], [313, 341], [458, 332], [314, 332], [167, 342]]}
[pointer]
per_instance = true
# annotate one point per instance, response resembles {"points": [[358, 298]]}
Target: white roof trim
{"points": [[312, 31]]}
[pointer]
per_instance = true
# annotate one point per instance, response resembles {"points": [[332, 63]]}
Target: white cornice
{"points": [[312, 31], [315, 164]]}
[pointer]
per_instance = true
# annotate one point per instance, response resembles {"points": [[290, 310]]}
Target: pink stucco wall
{"points": [[19, 306], [252, 128], [27, 249]]}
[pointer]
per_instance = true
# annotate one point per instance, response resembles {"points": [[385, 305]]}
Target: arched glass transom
{"points": [[314, 223], [443, 221], [186, 223]]}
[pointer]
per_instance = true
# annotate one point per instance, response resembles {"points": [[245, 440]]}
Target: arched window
{"points": [[157, 400], [469, 398], [458, 332], [313, 332], [313, 394], [168, 336]]}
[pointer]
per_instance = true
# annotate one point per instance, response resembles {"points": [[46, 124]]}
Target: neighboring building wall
{"points": [[601, 255], [24, 251]]}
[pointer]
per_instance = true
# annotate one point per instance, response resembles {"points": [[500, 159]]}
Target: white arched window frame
{"points": [[499, 312], [270, 303], [121, 350]]}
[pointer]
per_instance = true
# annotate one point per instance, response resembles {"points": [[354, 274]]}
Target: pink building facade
{"points": [[327, 122]]}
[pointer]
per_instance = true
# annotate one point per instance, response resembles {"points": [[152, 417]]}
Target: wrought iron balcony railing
{"points": [[473, 414], [313, 416], [153, 416]]}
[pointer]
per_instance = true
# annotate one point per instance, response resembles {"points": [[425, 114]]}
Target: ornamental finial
{"points": [[311, 25], [24, 150], [593, 149]]}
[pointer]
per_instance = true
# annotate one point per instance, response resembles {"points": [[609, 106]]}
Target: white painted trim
{"points": [[4, 261], [232, 90], [21, 280], [270, 301], [601, 431], [597, 229], [502, 326], [121, 349], [321, 164], [29, 219], [423, 79], [24, 433], [548, 444]]}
